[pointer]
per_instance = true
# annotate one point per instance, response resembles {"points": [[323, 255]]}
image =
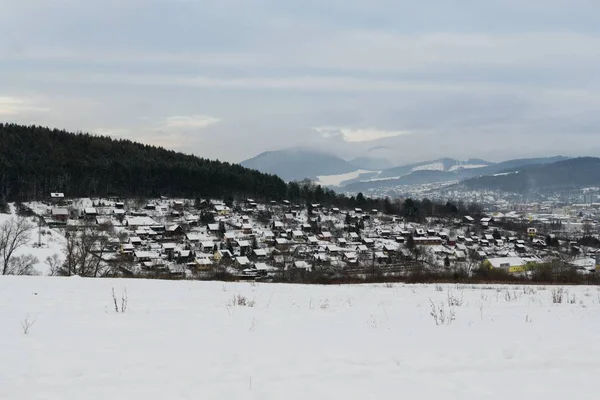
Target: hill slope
{"points": [[414, 178], [563, 175], [298, 164], [443, 164], [443, 170], [35, 161]]}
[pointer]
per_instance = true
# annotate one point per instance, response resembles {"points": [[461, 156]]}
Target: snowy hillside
{"points": [[191, 340], [336, 180]]}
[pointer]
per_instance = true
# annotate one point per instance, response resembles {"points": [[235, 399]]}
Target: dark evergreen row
{"points": [[35, 161]]}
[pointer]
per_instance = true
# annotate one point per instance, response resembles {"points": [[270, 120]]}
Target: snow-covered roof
{"points": [[193, 237], [169, 246], [60, 211], [302, 265], [264, 267], [506, 262], [147, 254], [242, 260], [140, 221]]}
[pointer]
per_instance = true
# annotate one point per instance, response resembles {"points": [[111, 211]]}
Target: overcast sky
{"points": [[227, 79]]}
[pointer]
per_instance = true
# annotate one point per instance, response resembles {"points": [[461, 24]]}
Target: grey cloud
{"points": [[494, 79]]}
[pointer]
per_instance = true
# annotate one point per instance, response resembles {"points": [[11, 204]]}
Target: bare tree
{"points": [[22, 265], [14, 234], [54, 264], [70, 251], [587, 229], [85, 250]]}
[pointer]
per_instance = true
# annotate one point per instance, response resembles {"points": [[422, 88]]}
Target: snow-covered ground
{"points": [[466, 166], [505, 173], [436, 166], [185, 340], [336, 180]]}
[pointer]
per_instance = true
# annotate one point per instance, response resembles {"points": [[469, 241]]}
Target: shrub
{"points": [[557, 295], [239, 300]]}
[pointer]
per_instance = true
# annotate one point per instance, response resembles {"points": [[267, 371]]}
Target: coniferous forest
{"points": [[35, 161]]}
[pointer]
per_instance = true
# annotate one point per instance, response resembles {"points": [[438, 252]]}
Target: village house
{"points": [[368, 242], [57, 197], [222, 210], [325, 236], [277, 226], [174, 231], [353, 237], [60, 214], [140, 221], [127, 248], [428, 241], [350, 258], [207, 247], [260, 254], [247, 229], [242, 262], [312, 240], [90, 213], [282, 244], [221, 255], [298, 235]]}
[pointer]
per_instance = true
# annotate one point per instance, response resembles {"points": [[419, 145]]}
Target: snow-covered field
{"points": [[185, 340]]}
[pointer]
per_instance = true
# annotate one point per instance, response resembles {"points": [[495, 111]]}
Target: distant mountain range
{"points": [[563, 175], [444, 170], [366, 173]]}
